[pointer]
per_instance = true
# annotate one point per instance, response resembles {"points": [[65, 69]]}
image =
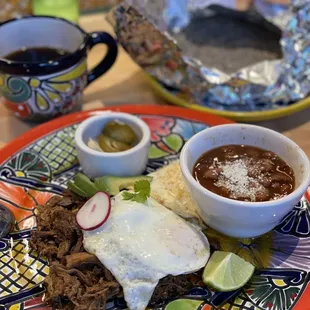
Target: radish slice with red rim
{"points": [[94, 212]]}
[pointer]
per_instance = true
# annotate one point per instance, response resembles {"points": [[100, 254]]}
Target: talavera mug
{"points": [[39, 91]]}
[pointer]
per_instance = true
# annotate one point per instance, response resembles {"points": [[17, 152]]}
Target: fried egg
{"points": [[142, 243]]}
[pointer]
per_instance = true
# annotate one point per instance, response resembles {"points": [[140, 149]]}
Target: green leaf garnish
{"points": [[128, 195], [142, 190]]}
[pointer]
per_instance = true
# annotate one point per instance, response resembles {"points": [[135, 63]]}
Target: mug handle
{"points": [[100, 37]]}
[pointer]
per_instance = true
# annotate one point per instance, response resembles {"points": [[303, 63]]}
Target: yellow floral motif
{"points": [[61, 87], [256, 251], [41, 102], [15, 307], [54, 90], [20, 174], [3, 81], [71, 75], [45, 93], [35, 83], [53, 96], [279, 282]]}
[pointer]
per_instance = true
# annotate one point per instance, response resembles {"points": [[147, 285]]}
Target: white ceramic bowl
{"points": [[237, 218], [128, 163]]}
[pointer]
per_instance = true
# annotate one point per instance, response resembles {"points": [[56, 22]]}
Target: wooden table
{"points": [[125, 83]]}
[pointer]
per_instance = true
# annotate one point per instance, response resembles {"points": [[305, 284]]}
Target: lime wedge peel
{"points": [[227, 271]]}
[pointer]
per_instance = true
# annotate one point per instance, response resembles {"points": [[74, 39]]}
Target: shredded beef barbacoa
{"points": [[77, 280]]}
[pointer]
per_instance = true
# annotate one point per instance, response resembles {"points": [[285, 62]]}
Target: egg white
{"points": [[142, 243]]}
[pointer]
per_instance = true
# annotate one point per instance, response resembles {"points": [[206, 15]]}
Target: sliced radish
{"points": [[95, 211]]}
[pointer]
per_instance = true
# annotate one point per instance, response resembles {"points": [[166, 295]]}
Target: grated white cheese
{"points": [[234, 177]]}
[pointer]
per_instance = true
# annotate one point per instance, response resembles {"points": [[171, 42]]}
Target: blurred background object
{"points": [[15, 8], [227, 60], [68, 9], [94, 5]]}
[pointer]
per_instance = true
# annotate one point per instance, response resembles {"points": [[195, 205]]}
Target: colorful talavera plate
{"points": [[255, 116], [39, 164]]}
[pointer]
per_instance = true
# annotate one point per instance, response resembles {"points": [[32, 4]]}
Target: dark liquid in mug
{"points": [[37, 54]]}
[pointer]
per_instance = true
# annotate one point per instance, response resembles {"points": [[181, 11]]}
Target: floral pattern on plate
{"points": [[43, 167], [22, 202]]}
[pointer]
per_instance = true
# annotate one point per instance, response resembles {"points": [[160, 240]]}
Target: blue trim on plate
{"points": [[21, 296]]}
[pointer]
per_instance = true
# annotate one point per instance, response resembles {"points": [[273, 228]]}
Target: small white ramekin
{"points": [[128, 163], [236, 218]]}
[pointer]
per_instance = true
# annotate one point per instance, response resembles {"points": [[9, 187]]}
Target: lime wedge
{"points": [[227, 272]]}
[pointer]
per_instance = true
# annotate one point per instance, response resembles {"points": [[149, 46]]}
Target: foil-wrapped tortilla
{"points": [[143, 32]]}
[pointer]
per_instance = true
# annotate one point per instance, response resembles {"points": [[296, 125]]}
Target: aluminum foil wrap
{"points": [[143, 32]]}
